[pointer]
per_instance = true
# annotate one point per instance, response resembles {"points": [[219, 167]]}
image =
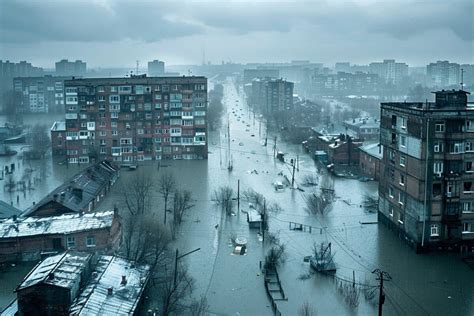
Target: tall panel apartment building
{"points": [[135, 119], [272, 95], [426, 188], [156, 68], [65, 67], [444, 74], [390, 71]]}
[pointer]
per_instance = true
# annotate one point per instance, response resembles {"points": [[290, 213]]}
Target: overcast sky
{"points": [[118, 32]]}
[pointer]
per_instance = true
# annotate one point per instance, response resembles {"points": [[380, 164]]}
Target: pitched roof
{"points": [[373, 150], [63, 224], [95, 299], [63, 270], [81, 189], [7, 210]]}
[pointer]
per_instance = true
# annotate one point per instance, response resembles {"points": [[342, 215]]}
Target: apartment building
{"points": [[65, 67], [426, 188], [443, 74], [135, 119], [39, 94], [156, 68], [390, 71], [272, 95]]}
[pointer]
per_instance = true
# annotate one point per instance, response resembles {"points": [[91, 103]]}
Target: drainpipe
{"points": [[426, 183]]}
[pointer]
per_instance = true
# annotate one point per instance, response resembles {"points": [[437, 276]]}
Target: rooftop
{"points": [[81, 189], [141, 79], [63, 270], [373, 150], [7, 210], [107, 294], [365, 122], [63, 224]]}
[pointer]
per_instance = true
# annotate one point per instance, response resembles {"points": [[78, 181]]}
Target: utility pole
{"points": [[297, 163], [381, 276], [293, 175], [264, 220], [274, 146], [176, 262], [238, 196]]}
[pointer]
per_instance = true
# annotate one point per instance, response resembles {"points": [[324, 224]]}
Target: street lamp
{"points": [[176, 262]]}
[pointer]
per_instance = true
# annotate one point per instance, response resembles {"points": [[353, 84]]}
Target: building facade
{"points": [[71, 68], [369, 161], [156, 68], [39, 94], [272, 95], [135, 119], [426, 188], [390, 71], [365, 128], [28, 239], [443, 74]]}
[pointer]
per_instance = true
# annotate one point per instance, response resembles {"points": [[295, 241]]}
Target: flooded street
{"points": [[430, 284]]}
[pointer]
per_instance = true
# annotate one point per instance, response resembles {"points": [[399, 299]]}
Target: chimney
{"points": [[124, 280], [110, 291]]}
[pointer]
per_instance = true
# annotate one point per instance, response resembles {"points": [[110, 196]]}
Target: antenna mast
{"points": [[462, 78]]}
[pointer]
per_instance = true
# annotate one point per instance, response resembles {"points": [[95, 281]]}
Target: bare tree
{"points": [[223, 197], [181, 204], [306, 310], [317, 204], [136, 193], [39, 141], [310, 180], [275, 256], [199, 307], [166, 185], [254, 197], [370, 203], [173, 292], [350, 292]]}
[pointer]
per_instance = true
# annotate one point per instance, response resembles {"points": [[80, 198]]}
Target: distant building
{"points": [[251, 74], [81, 194], [344, 151], [22, 69], [71, 68], [344, 84], [272, 95], [364, 128], [369, 160], [443, 74], [29, 238], [343, 67], [39, 94], [468, 74], [136, 119], [426, 187], [390, 71], [78, 283], [156, 68]]}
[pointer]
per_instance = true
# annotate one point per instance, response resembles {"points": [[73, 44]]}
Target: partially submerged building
{"points": [[31, 238], [80, 194], [426, 187], [369, 160], [78, 283]]}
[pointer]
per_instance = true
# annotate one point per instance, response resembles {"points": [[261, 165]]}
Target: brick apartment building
{"points": [[135, 119], [370, 156], [426, 186], [30, 238], [272, 95]]}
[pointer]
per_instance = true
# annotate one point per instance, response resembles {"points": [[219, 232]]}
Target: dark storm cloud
{"points": [[32, 21], [151, 21]]}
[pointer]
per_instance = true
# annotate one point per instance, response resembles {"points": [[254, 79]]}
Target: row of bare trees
{"points": [[146, 239]]}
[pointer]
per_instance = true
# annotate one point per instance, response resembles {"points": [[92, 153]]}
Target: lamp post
{"points": [[177, 257]]}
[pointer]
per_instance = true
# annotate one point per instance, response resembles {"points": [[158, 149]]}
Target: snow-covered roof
{"points": [[63, 224], [96, 299], [63, 270], [253, 216], [373, 150]]}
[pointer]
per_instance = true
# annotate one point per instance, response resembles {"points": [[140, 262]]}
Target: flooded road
{"points": [[432, 284]]}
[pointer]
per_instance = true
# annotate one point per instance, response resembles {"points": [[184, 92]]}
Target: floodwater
{"points": [[432, 284]]}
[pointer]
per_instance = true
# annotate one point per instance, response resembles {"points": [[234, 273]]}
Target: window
{"points": [[403, 141], [401, 198], [114, 115], [401, 218], [103, 150], [403, 122], [390, 211], [71, 242], [103, 133], [101, 98], [402, 179], [391, 155], [434, 230], [439, 127], [436, 189], [470, 125], [113, 124], [438, 167], [90, 241], [466, 228], [468, 207], [469, 166], [402, 161], [438, 147], [468, 187], [114, 133], [469, 146], [114, 98]]}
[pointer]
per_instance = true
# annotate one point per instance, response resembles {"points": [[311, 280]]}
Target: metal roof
{"points": [[7, 210], [95, 299], [63, 270], [63, 224], [81, 189]]}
